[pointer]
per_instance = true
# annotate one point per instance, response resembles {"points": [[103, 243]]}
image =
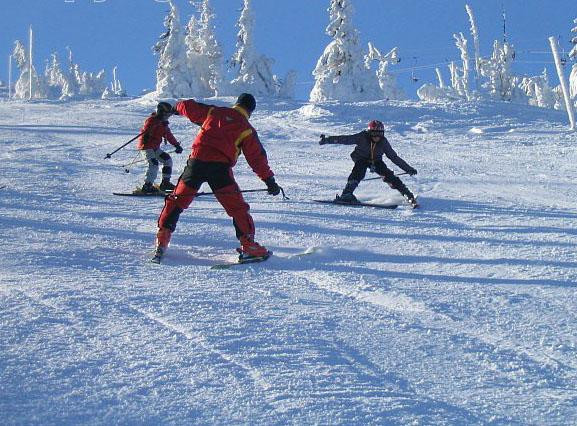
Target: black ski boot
{"points": [[148, 188], [165, 185], [347, 197]]}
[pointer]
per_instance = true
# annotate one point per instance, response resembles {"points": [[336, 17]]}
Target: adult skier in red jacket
{"points": [[155, 129], [225, 133]]}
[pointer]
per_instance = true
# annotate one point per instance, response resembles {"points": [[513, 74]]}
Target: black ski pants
{"points": [[360, 170]]}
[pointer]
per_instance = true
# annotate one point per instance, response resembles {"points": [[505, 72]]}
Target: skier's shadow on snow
{"points": [[466, 206]]}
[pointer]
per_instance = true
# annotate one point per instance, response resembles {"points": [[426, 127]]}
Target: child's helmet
{"points": [[164, 108]]}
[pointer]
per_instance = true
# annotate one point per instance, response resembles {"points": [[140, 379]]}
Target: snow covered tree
{"points": [[501, 84], [476, 44], [22, 86], [341, 73], [387, 81], [203, 52], [172, 76], [460, 76], [58, 82], [253, 70]]}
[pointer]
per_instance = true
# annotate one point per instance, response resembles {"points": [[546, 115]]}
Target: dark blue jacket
{"points": [[367, 150]]}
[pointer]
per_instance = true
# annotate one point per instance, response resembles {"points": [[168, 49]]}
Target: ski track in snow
{"points": [[462, 312]]}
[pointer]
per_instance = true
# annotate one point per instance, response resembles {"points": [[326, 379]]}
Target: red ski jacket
{"points": [[225, 133], [153, 132]]}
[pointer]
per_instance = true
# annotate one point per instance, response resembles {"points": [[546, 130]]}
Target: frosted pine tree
{"points": [[253, 71], [22, 86], [340, 73], [387, 81], [172, 76], [204, 55]]}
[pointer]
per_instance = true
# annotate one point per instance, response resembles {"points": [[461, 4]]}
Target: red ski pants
{"points": [[220, 178]]}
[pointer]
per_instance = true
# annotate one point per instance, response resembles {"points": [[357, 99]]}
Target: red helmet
{"points": [[375, 126]]}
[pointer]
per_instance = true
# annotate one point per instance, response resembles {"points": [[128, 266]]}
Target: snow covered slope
{"points": [[462, 312]]}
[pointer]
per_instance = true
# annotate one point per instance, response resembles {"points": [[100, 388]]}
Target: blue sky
{"points": [[105, 33]]}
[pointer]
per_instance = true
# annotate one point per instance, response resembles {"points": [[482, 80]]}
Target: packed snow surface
{"points": [[461, 312]]}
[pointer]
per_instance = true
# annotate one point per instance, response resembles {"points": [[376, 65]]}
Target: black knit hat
{"points": [[247, 101]]}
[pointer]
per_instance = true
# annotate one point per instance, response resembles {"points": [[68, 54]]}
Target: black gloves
{"points": [[273, 188], [174, 111], [323, 140], [412, 171], [178, 149]]}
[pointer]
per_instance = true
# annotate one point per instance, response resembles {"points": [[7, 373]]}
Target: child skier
{"points": [[371, 144], [225, 133], [154, 130]]}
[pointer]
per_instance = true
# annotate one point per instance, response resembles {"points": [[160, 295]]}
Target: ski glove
{"points": [[174, 111], [178, 149], [272, 186], [323, 140], [412, 171]]}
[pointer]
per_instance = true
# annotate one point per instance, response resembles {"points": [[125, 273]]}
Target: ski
{"points": [[242, 261], [139, 193], [359, 204], [228, 265]]}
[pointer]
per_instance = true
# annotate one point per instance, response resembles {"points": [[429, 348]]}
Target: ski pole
{"points": [[198, 194], [119, 148], [380, 177], [135, 161]]}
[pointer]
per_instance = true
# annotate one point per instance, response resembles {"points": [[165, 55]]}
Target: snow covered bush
{"points": [[539, 92], [115, 89], [340, 73], [172, 75]]}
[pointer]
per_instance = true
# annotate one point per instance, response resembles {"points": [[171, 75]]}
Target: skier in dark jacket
{"points": [[371, 144]]}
